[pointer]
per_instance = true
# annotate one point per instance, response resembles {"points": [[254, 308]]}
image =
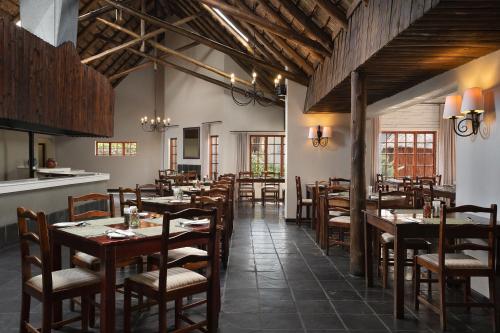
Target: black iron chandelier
{"points": [[252, 96], [156, 124]]}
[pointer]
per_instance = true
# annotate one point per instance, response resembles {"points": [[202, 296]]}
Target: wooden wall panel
{"points": [[400, 43], [47, 89]]}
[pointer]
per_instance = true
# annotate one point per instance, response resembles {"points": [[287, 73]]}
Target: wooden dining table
{"points": [[92, 239], [403, 224], [165, 204]]}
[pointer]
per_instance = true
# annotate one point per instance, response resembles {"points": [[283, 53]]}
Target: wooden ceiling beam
{"points": [[275, 29], [200, 76], [123, 46], [297, 58], [97, 12], [211, 43], [150, 63], [165, 49], [307, 23], [334, 12]]}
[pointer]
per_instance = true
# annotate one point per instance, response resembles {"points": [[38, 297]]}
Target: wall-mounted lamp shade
{"points": [[312, 133], [472, 101], [327, 132], [452, 106]]}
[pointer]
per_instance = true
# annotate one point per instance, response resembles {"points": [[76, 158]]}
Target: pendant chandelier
{"points": [[156, 123], [253, 95]]}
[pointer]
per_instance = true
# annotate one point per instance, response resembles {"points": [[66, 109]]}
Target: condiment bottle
{"points": [[126, 216], [134, 218]]}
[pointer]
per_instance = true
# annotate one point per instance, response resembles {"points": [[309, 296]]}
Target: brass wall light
{"points": [[319, 135]]}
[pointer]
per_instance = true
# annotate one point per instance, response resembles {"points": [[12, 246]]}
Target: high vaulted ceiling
{"points": [[296, 34]]}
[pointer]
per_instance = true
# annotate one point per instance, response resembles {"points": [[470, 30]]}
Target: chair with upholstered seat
{"points": [[335, 227], [301, 202], [84, 260], [50, 286], [124, 201], [172, 282], [246, 188], [397, 200], [451, 263], [270, 189]]}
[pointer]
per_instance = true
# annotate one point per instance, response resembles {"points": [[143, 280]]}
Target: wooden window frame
{"points": [[266, 138], [415, 152], [172, 166], [110, 143], [212, 155]]}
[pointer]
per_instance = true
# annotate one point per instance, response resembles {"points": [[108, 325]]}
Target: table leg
{"points": [[108, 287], [308, 196], [368, 253], [399, 276], [57, 265]]}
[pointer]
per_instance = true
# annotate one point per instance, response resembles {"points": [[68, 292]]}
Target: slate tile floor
{"points": [[278, 280]]}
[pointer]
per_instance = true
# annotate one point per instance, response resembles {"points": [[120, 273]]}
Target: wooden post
{"points": [[358, 188]]}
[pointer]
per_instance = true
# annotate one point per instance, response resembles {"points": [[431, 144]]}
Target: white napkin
{"points": [[187, 223], [118, 233], [68, 224]]}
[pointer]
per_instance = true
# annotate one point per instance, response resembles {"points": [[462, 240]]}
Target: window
{"points": [[115, 148], [408, 154], [173, 153], [267, 154], [214, 156]]}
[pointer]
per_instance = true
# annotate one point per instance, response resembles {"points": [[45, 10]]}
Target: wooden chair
{"points": [[157, 190], [172, 282], [224, 193], [320, 188], [50, 286], [84, 260], [246, 187], [301, 202], [397, 200], [191, 175], [451, 263], [335, 228], [379, 183], [270, 189], [129, 202]]}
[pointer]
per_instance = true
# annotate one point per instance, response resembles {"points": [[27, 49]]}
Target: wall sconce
{"points": [[468, 109], [319, 135]]}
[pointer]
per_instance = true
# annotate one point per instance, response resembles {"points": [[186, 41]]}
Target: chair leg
{"points": [[416, 279], [385, 265], [162, 317], [467, 293], [127, 311], [92, 311], [140, 269], [47, 315], [492, 289], [25, 312], [178, 312], [85, 312], [442, 301]]}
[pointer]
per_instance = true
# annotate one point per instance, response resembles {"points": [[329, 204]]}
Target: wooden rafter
{"points": [[307, 23], [175, 53], [334, 12], [222, 84], [274, 29], [211, 43]]}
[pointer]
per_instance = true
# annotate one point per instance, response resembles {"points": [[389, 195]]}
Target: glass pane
{"points": [[420, 137], [429, 137], [390, 137]]}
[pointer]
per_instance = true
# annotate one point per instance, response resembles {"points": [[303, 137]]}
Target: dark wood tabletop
{"points": [[403, 224], [109, 251]]}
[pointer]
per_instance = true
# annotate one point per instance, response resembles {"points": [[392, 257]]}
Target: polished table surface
{"points": [[403, 224], [92, 239]]}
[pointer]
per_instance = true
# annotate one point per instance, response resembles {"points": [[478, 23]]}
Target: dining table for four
{"points": [[111, 241]]}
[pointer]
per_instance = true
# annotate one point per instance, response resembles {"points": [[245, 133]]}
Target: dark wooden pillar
{"points": [[358, 183]]}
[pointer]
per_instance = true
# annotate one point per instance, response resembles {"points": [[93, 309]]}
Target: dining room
{"points": [[249, 166]]}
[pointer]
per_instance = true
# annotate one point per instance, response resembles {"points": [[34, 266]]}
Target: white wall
{"points": [[190, 101], [304, 160], [478, 160], [420, 117], [134, 99]]}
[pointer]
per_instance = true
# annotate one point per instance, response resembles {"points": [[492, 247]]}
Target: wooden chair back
{"points": [[201, 238], [467, 231], [228, 175], [298, 187], [40, 238], [395, 200], [93, 197], [268, 175], [191, 175], [338, 181], [157, 189], [122, 191], [206, 202], [245, 179], [162, 174]]}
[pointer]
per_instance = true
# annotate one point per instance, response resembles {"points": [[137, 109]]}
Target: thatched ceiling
{"points": [[312, 19]]}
